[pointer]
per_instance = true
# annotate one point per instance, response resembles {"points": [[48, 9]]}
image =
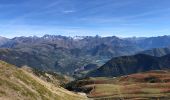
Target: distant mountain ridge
{"points": [[126, 65], [143, 42], [66, 54], [157, 52], [3, 40]]}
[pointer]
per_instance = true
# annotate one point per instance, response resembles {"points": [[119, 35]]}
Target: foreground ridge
{"points": [[20, 84]]}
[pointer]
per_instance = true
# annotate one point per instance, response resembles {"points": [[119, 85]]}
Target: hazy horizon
{"points": [[81, 36]]}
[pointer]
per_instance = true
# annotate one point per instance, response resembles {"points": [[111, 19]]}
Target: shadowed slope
{"points": [[125, 65]]}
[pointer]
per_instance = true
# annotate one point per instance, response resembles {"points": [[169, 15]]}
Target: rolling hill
{"points": [[125, 65]]}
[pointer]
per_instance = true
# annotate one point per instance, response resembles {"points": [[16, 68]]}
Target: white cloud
{"points": [[68, 11]]}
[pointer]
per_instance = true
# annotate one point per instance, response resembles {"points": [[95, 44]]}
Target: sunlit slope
{"points": [[20, 84]]}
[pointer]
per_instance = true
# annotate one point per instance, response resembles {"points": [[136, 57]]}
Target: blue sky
{"points": [[123, 18]]}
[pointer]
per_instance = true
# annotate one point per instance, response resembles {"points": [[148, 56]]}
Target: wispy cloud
{"points": [[68, 11]]}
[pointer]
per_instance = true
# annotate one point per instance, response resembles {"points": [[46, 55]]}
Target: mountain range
{"points": [[67, 54]]}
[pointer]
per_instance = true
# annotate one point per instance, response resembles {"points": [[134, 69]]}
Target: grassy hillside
{"points": [[153, 85], [23, 84]]}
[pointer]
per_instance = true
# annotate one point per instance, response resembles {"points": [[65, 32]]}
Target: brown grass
{"points": [[151, 85]]}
